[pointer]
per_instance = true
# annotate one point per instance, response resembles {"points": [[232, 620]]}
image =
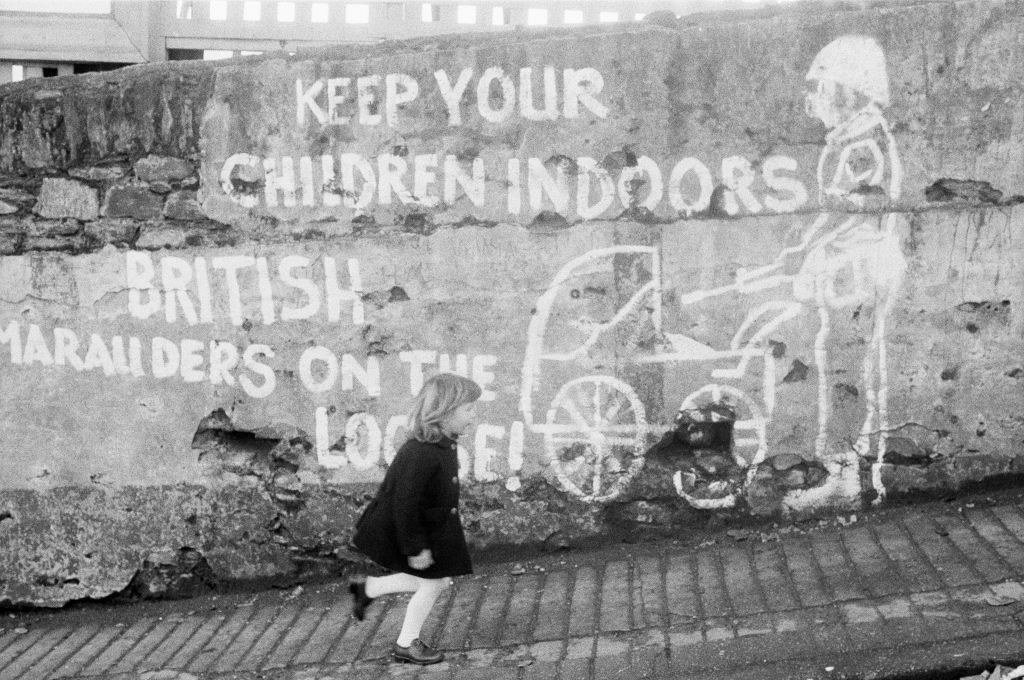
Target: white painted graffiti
{"points": [[595, 427], [578, 186]]}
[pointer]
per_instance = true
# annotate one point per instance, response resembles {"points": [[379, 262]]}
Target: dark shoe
{"points": [[360, 600], [417, 653]]}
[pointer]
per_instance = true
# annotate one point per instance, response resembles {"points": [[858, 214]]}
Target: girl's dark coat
{"points": [[417, 507]]}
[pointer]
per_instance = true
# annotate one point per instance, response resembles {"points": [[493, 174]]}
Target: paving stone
{"points": [[841, 577], [649, 593], [120, 645], [859, 612], [613, 666], [1012, 519], [805, 572], [998, 537], [553, 615], [896, 608], [574, 669], [196, 642], [235, 653], [718, 629], [684, 606], [919, 574], [742, 587], [491, 616], [347, 646], [878, 574], [615, 593], [492, 673], [162, 653], [271, 637], [454, 633], [16, 643], [684, 638], [19, 667], [540, 671], [940, 553], [55, 658], [714, 599], [776, 583], [146, 644], [522, 606], [74, 664], [579, 648], [758, 624], [301, 632], [973, 549], [584, 596]]}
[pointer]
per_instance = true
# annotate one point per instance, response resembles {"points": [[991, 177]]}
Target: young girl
{"points": [[412, 526]]}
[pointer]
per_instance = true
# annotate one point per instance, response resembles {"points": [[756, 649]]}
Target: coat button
{"points": [[455, 479], [455, 511]]}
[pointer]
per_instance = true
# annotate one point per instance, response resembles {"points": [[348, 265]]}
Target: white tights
{"points": [[424, 593]]}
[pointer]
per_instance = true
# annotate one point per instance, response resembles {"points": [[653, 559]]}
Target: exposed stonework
{"points": [[701, 268], [63, 198]]}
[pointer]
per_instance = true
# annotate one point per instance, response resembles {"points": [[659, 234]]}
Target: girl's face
{"points": [[459, 420]]}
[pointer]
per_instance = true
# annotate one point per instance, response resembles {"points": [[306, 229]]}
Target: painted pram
{"points": [[596, 329]]}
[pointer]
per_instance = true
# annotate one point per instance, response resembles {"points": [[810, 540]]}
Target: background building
{"points": [[45, 38]]}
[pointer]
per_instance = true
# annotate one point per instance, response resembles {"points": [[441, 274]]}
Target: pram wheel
{"points": [[595, 436]]}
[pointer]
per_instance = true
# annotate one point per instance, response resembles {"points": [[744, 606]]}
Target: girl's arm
{"points": [[418, 468]]}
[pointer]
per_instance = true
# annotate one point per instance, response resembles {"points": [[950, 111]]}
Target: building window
{"points": [[536, 16], [184, 9], [499, 16], [573, 16], [465, 14], [430, 13], [286, 12], [608, 17], [249, 53], [17, 73], [50, 71], [357, 13], [218, 10], [214, 55], [319, 13], [251, 10]]}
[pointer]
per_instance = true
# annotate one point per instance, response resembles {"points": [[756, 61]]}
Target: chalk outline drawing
{"points": [[586, 422], [872, 257], [851, 66]]}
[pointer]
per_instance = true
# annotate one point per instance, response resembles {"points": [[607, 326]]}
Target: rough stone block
{"points": [[7, 209], [98, 174], [117, 232], [162, 169], [133, 202], [60, 198], [182, 205], [154, 239], [54, 228]]}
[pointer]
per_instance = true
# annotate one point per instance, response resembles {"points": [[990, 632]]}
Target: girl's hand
{"points": [[421, 561]]}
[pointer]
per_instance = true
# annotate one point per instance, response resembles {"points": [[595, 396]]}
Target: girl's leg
{"points": [[392, 583], [419, 607]]}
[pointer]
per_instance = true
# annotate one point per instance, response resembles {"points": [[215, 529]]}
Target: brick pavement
{"points": [[925, 585]]}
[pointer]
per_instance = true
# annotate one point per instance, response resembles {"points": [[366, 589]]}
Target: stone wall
{"points": [[753, 265]]}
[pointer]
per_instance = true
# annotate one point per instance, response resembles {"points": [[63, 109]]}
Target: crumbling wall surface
{"points": [[761, 265]]}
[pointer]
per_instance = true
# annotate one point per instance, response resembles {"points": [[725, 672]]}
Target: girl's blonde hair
{"points": [[440, 396]]}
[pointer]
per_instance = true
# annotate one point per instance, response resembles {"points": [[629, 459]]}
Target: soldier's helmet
{"points": [[857, 62]]}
